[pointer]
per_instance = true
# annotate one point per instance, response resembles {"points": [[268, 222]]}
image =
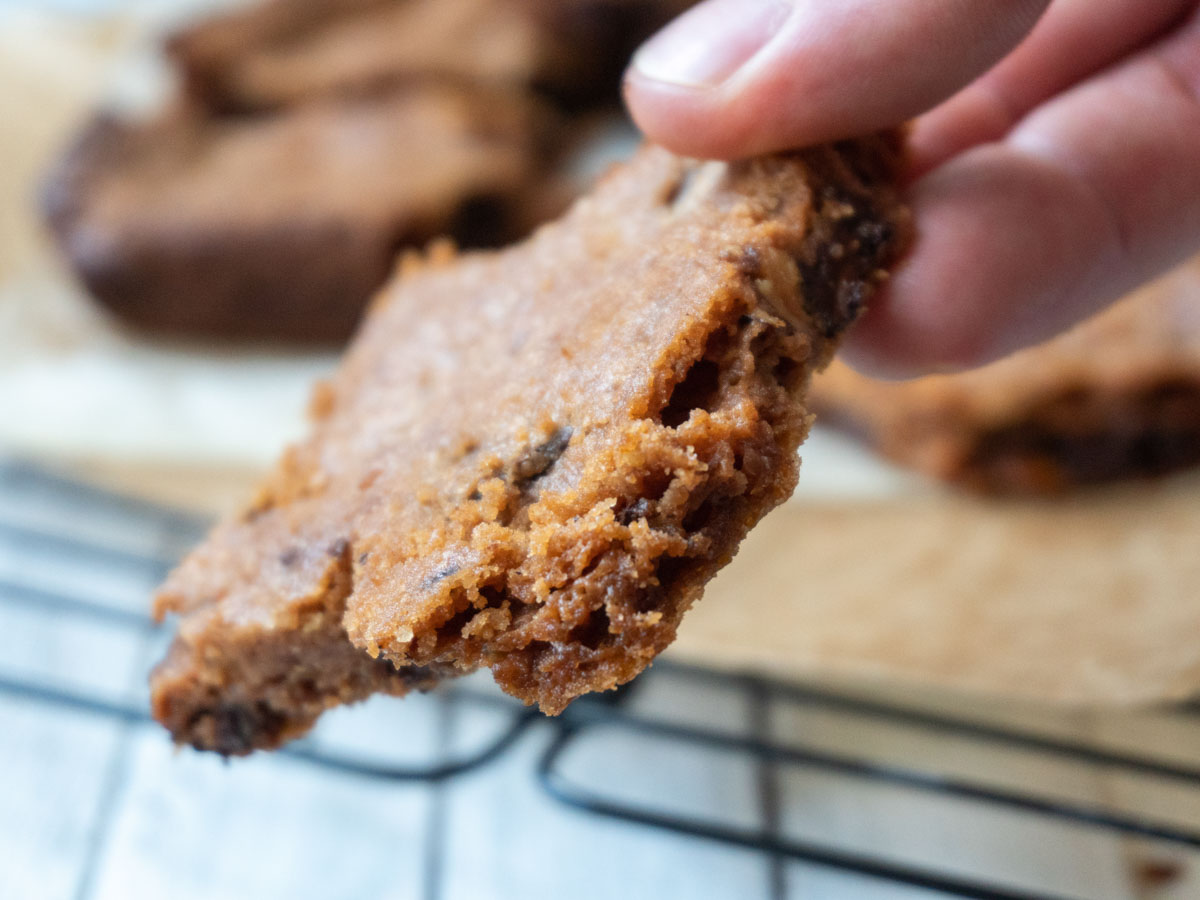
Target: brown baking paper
{"points": [[1090, 600]]}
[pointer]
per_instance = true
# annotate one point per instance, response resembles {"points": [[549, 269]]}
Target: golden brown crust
{"points": [[1116, 397], [234, 685], [534, 460]]}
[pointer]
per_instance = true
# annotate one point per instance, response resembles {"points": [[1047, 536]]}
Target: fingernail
{"points": [[708, 43]]}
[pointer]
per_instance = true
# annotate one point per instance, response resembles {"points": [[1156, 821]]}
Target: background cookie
{"points": [[1117, 397]]}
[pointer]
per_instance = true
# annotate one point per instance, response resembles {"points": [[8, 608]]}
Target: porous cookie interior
{"points": [[533, 460], [567, 590], [565, 553], [233, 686]]}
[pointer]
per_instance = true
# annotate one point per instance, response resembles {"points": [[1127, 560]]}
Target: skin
{"points": [[1055, 145]]}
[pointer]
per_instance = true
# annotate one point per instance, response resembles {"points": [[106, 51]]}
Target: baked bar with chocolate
{"points": [[282, 226], [1116, 397], [283, 52], [533, 460]]}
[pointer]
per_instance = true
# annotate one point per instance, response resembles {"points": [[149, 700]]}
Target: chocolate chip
{"points": [[874, 235], [537, 461], [440, 575], [639, 509], [838, 269], [238, 728], [751, 263]]}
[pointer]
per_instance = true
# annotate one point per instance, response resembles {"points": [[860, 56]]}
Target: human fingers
{"points": [[1093, 193], [734, 78], [1072, 41]]}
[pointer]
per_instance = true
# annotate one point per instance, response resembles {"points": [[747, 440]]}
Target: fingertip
{"points": [[675, 117], [716, 123], [683, 87], [735, 78]]}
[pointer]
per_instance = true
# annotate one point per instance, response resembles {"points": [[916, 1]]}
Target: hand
{"points": [[1047, 180]]}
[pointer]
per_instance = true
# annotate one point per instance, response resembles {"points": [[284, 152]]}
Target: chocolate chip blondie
{"points": [[533, 460]]}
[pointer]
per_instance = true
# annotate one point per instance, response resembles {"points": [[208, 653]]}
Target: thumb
{"points": [[734, 78]]}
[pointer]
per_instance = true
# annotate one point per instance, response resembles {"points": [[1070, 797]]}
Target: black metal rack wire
{"points": [[590, 718]]}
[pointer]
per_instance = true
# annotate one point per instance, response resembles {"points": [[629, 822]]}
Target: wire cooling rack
{"points": [[47, 522]]}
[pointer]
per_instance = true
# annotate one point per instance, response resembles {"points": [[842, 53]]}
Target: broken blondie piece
{"points": [[280, 227], [1116, 397], [533, 460]]}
